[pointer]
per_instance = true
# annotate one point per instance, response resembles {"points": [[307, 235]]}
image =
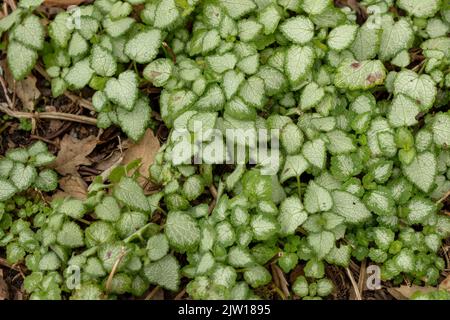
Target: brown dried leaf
{"points": [[74, 186], [4, 292], [146, 150], [445, 284], [405, 292], [73, 153]]}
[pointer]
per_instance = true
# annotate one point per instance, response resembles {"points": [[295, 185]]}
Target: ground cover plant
{"points": [[351, 98]]}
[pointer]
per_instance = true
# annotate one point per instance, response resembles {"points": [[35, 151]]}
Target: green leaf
{"points": [[299, 60], [321, 243], [129, 222], [79, 74], [263, 226], [350, 207], [291, 138], [23, 176], [144, 46], [131, 194], [159, 71], [294, 166], [269, 17], [342, 37], [8, 21], [317, 198], [7, 190], [157, 247], [164, 272], [73, 208], [47, 180], [108, 209], [421, 171], [135, 122], [420, 88], [314, 152], [314, 269], [441, 129], [356, 75], [166, 14], [396, 36], [238, 8], [117, 28], [419, 209], [70, 235], [240, 257], [21, 59], [252, 92], [30, 33], [249, 30], [315, 6], [87, 291], [102, 62], [366, 43], [78, 46], [419, 8], [311, 96], [49, 262], [59, 29], [257, 276], [123, 91], [300, 286], [291, 215], [299, 29], [403, 111], [182, 231], [221, 63]]}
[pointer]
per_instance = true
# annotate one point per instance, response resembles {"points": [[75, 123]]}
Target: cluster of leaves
{"points": [[363, 162], [20, 170], [95, 45]]}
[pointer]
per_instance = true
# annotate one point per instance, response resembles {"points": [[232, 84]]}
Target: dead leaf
{"points": [[445, 284], [64, 3], [405, 292], [146, 150], [73, 153], [4, 292], [73, 186], [25, 89], [109, 161]]}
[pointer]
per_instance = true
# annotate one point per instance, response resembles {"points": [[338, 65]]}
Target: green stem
{"points": [[299, 188], [138, 233]]}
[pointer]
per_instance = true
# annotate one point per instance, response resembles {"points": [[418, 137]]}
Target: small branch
{"points": [[354, 284], [152, 293], [170, 51], [180, 294], [213, 191], [49, 115], [444, 197], [283, 283], [362, 276], [114, 269], [12, 4], [5, 90]]}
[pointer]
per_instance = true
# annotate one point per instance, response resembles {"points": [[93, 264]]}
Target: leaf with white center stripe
{"points": [[321, 243], [166, 14], [359, 75], [299, 29], [79, 74], [123, 91], [182, 231], [269, 17], [441, 129], [366, 43], [252, 92], [403, 111], [350, 207], [231, 81], [396, 36], [422, 171], [30, 32], [134, 122], [20, 59], [7, 190], [315, 152], [238, 8], [420, 88], [419, 209], [249, 30], [292, 215], [317, 198], [380, 202], [221, 63], [158, 72], [341, 37], [311, 95], [315, 6], [144, 46], [164, 273], [22, 176], [299, 60], [420, 8], [103, 62], [264, 226], [294, 166]]}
